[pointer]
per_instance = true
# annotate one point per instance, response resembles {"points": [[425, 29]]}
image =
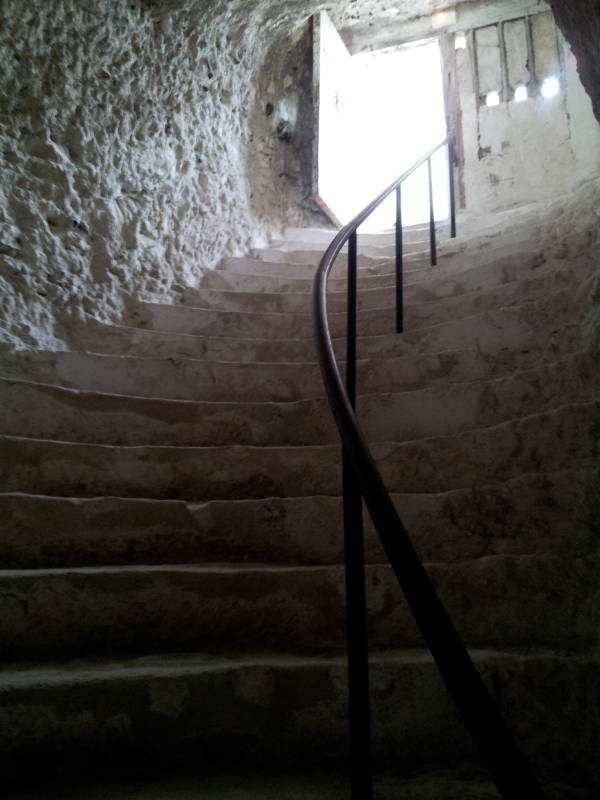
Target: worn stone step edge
{"points": [[402, 363], [550, 441], [415, 294], [105, 418], [370, 275], [325, 782], [502, 601], [563, 302], [429, 310], [452, 259], [261, 350], [548, 512], [287, 708]]}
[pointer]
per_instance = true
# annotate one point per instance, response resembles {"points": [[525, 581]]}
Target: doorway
{"points": [[378, 113]]}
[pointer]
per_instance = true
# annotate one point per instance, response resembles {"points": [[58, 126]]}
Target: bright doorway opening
{"points": [[378, 113]]}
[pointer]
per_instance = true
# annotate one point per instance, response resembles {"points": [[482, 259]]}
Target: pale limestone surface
{"points": [[173, 484], [126, 150], [514, 153], [222, 537], [138, 148]]}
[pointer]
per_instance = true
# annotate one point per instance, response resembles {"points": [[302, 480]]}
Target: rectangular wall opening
{"points": [[379, 112]]}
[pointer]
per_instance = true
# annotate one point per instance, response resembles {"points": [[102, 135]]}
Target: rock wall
{"points": [[580, 23], [122, 158], [126, 155], [138, 148], [281, 153]]}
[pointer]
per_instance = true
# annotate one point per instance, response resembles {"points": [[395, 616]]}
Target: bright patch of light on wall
{"points": [[443, 18], [550, 87], [460, 41], [520, 94], [492, 99]]}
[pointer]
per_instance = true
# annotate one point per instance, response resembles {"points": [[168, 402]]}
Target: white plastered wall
{"points": [[517, 153]]}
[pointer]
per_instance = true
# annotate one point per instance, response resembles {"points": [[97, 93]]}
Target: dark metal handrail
{"points": [[361, 479]]}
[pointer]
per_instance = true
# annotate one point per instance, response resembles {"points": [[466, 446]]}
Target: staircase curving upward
{"points": [[170, 518]]}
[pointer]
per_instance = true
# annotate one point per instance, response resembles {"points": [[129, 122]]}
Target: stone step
{"points": [[562, 304], [548, 300], [442, 410], [470, 229], [451, 254], [533, 513], [44, 411], [555, 319], [370, 271], [497, 284], [322, 237], [493, 288], [372, 321], [96, 337], [498, 601], [553, 441], [275, 784], [228, 280], [169, 378], [462, 783], [368, 256], [309, 253], [480, 347], [384, 248], [417, 266], [279, 709], [230, 324], [453, 271]]}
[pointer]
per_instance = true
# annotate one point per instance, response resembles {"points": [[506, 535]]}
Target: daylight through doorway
{"points": [[398, 116], [378, 113]]}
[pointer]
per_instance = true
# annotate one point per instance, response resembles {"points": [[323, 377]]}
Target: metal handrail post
{"points": [[356, 602], [451, 188], [431, 216], [399, 263]]}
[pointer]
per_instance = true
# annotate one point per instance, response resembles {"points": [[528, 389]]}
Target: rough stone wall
{"points": [[128, 151], [125, 132], [580, 23], [281, 149], [123, 154], [517, 153]]}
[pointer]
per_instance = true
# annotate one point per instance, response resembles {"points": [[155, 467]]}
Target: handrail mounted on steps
{"points": [[361, 479]]}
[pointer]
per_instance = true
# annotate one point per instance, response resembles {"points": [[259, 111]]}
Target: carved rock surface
{"points": [[170, 520], [580, 23]]}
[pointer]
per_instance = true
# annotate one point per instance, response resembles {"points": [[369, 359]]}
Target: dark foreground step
{"points": [[500, 601], [466, 783], [535, 513], [278, 709]]}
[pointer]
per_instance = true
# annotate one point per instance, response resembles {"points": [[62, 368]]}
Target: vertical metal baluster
{"points": [[451, 188], [431, 216], [356, 605], [399, 263]]}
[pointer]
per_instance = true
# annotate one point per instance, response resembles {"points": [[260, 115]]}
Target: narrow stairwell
{"points": [[170, 522]]}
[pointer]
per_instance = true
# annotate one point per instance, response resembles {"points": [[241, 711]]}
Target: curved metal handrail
{"points": [[508, 766]]}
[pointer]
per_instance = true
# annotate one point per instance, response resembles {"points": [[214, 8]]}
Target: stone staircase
{"points": [[170, 522]]}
